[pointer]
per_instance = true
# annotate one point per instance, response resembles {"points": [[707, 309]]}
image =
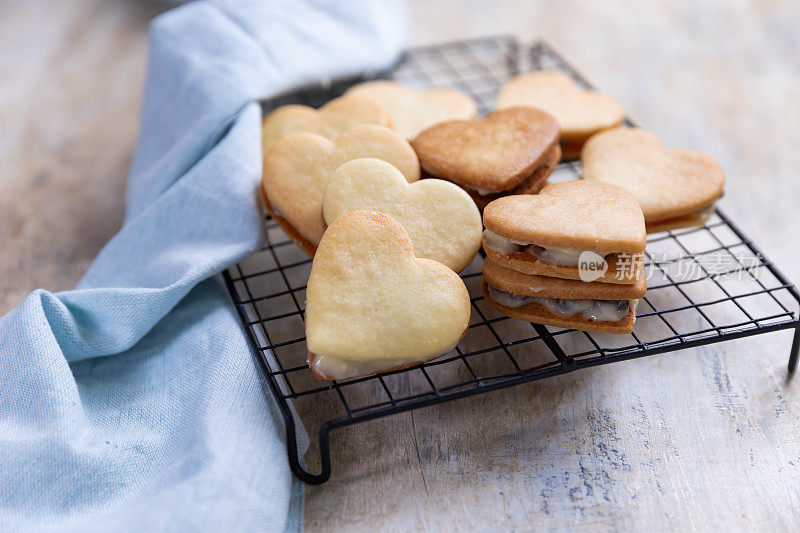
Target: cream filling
{"points": [[335, 368], [479, 191], [701, 216], [550, 254], [338, 368], [707, 211], [594, 310]]}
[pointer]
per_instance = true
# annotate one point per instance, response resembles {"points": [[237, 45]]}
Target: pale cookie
{"points": [[413, 111], [568, 223], [297, 168], [442, 220], [581, 112], [328, 121], [566, 303], [491, 155], [675, 188], [372, 306]]}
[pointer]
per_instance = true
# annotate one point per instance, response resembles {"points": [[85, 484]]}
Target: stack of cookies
{"points": [[384, 188], [571, 256]]}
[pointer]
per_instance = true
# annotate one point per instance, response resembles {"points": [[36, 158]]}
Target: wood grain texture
{"points": [[703, 439], [72, 74], [700, 439]]}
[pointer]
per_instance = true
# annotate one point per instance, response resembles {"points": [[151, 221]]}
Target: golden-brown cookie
{"points": [[531, 185], [412, 110], [581, 112], [698, 218], [440, 217], [674, 188], [565, 303], [565, 225], [328, 121], [540, 314], [297, 168], [571, 149], [619, 268], [513, 281], [571, 214], [491, 155], [371, 305]]}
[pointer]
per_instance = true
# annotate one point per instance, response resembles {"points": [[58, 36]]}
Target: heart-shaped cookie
{"points": [[413, 111], [531, 185], [371, 305], [572, 214], [490, 155], [328, 121], [580, 112], [673, 187], [297, 168], [442, 220], [548, 233]]}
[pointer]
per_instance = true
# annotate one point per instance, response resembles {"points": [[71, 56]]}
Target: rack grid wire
{"points": [[705, 285]]}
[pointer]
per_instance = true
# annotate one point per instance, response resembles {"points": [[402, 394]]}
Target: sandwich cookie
{"points": [[675, 188], [328, 121], [372, 306], [581, 112], [413, 111], [573, 230], [565, 303], [297, 168], [509, 151], [442, 220]]}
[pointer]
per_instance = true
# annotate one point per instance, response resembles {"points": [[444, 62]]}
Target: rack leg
{"points": [[324, 451], [294, 457], [793, 353]]}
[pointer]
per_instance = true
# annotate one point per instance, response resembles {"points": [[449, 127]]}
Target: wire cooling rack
{"points": [[705, 285]]}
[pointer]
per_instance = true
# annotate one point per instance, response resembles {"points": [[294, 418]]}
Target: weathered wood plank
{"points": [[706, 438], [702, 439]]}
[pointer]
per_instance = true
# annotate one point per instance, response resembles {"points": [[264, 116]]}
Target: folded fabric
{"points": [[133, 402]]}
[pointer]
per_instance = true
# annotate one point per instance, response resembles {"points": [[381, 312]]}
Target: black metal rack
{"points": [[705, 285]]}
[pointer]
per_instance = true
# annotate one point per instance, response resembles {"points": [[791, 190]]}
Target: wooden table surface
{"points": [[706, 438]]}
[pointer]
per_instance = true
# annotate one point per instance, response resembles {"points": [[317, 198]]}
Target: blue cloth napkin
{"points": [[133, 401]]}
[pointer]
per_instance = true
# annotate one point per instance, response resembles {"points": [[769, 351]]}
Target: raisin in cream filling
{"points": [[594, 310], [549, 254]]}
